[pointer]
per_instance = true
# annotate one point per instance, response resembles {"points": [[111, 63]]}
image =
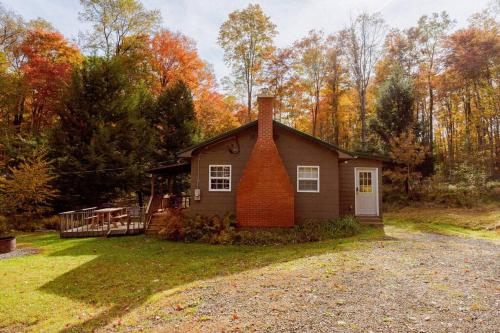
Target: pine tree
{"points": [[394, 107], [103, 144], [174, 119]]}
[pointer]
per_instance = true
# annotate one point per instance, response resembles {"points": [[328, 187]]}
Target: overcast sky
{"points": [[201, 19]]}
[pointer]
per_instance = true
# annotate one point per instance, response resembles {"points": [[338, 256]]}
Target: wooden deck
{"points": [[92, 222]]}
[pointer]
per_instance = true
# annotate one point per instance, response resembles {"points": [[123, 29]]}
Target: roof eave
{"points": [[342, 154], [187, 153]]}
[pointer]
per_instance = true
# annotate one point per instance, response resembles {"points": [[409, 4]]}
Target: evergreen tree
{"points": [[394, 107], [174, 119], [102, 144]]}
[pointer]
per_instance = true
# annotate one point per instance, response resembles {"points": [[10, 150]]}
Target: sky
{"points": [[201, 19]]}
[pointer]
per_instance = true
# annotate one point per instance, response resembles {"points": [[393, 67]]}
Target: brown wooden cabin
{"points": [[271, 175]]}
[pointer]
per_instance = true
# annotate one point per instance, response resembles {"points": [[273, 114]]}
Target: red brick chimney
{"points": [[265, 196]]}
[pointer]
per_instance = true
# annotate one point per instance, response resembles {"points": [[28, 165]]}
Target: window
{"points": [[307, 178], [219, 178], [365, 182]]}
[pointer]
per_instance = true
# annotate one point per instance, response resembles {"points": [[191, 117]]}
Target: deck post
{"points": [[161, 191], [153, 185], [170, 184]]}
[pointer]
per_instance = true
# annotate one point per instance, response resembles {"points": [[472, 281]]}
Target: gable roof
{"points": [[343, 154]]}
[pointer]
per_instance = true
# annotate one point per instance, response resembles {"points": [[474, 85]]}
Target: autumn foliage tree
{"points": [[407, 153], [113, 21], [47, 70], [312, 64], [247, 40], [27, 191], [280, 80], [215, 114], [363, 42], [175, 58]]}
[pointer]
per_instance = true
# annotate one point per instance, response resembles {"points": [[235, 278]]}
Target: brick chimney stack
{"points": [[265, 117], [265, 196]]}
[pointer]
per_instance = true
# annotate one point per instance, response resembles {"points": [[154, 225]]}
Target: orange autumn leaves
{"points": [[174, 57], [48, 59]]}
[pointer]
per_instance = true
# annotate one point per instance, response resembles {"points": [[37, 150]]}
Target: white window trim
{"points": [[298, 178], [210, 189]]}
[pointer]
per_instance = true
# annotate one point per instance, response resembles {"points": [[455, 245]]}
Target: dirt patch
{"points": [[412, 282], [19, 252], [485, 217]]}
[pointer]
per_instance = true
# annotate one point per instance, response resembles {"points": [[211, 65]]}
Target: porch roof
{"points": [[171, 169]]}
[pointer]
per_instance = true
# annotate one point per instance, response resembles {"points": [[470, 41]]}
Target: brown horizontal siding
{"points": [[294, 151], [219, 203], [346, 181]]}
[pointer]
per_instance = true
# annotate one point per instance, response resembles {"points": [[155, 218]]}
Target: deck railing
{"points": [[75, 219], [136, 219]]}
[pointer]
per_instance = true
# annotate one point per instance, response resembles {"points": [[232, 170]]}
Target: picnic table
{"points": [[110, 215]]}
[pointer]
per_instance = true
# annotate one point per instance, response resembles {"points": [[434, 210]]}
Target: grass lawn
{"points": [[476, 222], [77, 285]]}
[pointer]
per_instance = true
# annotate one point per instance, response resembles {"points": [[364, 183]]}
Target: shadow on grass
{"points": [[128, 270]]}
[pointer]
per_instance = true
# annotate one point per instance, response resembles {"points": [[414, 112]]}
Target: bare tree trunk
{"points": [[249, 105], [18, 117], [431, 115], [467, 116], [450, 134], [335, 122], [362, 101], [479, 121], [315, 112]]}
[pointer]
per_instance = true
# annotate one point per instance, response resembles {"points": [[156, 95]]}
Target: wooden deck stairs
{"points": [[371, 220], [155, 225]]}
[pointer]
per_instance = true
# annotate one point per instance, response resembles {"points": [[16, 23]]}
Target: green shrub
{"points": [[346, 226], [212, 230], [4, 228], [172, 220], [216, 230], [50, 223], [306, 231]]}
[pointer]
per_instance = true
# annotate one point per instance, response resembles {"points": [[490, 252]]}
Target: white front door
{"points": [[366, 191]]}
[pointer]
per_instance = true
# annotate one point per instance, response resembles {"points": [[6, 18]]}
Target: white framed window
{"points": [[307, 178], [219, 178], [365, 181]]}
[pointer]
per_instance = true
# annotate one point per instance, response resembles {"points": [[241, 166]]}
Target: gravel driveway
{"points": [[410, 283]]}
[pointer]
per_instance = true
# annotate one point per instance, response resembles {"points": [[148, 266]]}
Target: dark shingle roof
{"points": [[188, 151]]}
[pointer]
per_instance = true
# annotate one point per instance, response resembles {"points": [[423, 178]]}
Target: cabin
{"points": [[266, 173], [270, 175]]}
